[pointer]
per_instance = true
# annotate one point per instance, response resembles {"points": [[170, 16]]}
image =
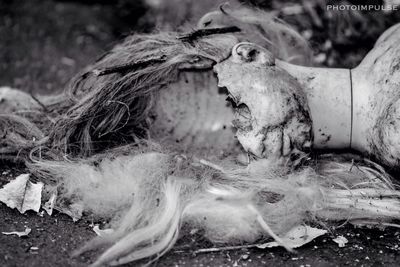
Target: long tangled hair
{"points": [[111, 106], [110, 103], [115, 106], [147, 198]]}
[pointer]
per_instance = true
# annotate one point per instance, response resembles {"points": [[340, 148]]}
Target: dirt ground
{"points": [[43, 43]]}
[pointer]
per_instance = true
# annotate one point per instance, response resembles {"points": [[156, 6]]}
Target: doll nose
{"points": [[249, 52]]}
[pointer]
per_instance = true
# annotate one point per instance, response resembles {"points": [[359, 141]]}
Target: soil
{"points": [[43, 44]]}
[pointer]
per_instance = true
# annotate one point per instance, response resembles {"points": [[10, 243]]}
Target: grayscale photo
{"points": [[195, 133]]}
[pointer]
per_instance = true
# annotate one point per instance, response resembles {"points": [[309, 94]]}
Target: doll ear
{"points": [[249, 52]]}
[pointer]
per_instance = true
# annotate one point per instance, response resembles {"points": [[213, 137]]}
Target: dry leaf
{"points": [[296, 237], [74, 210], [22, 194], [19, 234], [49, 205]]}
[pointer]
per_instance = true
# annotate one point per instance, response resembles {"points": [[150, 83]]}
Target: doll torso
{"points": [[376, 100]]}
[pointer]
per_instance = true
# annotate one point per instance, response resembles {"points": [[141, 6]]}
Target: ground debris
{"points": [[341, 241], [102, 232], [297, 237], [19, 234], [22, 194]]}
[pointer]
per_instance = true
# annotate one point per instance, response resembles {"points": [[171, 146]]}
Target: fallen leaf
{"points": [[19, 234], [296, 237], [74, 210], [341, 241], [22, 194], [102, 232], [49, 205]]}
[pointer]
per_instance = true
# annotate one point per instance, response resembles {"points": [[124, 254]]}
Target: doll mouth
{"points": [[242, 114], [243, 124]]}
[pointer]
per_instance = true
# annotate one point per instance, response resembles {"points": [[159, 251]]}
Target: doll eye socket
{"points": [[232, 101], [244, 111]]}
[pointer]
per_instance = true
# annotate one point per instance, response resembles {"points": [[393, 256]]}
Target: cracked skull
{"points": [[272, 117]]}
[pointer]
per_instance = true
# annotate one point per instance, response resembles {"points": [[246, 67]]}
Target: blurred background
{"points": [[43, 43]]}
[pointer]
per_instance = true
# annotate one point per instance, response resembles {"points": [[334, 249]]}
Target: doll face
{"points": [[272, 117]]}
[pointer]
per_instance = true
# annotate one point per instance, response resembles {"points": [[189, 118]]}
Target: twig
{"points": [[208, 250], [222, 8], [365, 222], [191, 36], [309, 8], [128, 66], [39, 102]]}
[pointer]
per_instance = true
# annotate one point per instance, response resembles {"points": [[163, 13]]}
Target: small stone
{"points": [[194, 231]]}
